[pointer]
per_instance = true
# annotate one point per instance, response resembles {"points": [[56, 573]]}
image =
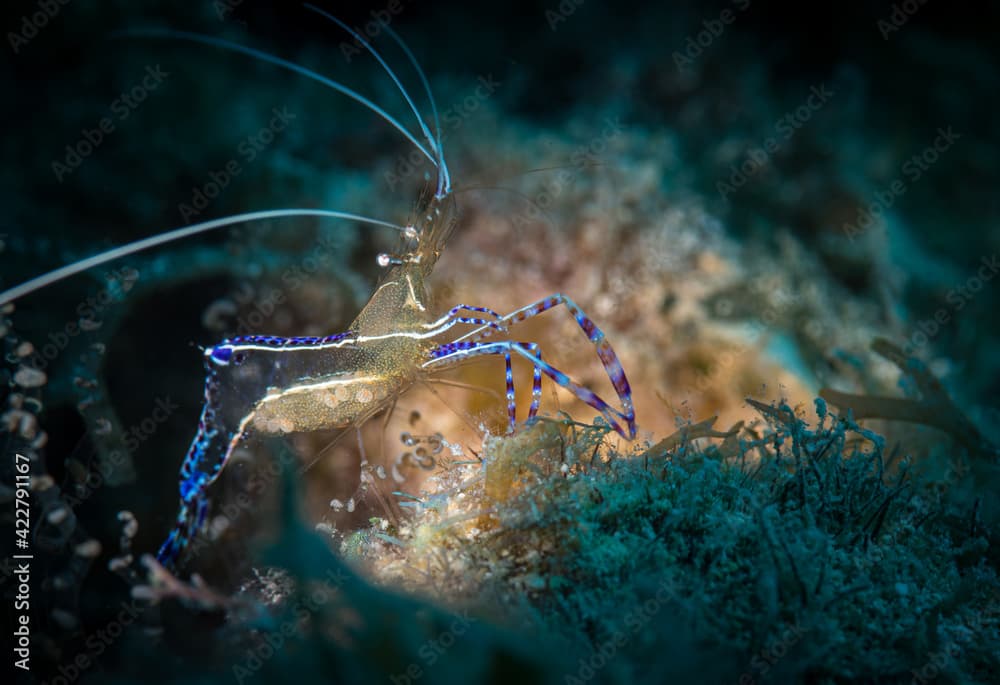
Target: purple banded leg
{"points": [[605, 352], [536, 386], [511, 399], [452, 318], [201, 513], [482, 310], [193, 508], [190, 518], [457, 351], [219, 432], [536, 381], [175, 542]]}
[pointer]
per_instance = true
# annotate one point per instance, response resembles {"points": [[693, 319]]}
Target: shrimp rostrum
{"points": [[269, 385]]}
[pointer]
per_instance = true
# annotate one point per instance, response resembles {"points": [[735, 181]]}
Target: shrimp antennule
{"points": [[357, 36], [442, 191], [169, 236], [444, 178], [286, 64]]}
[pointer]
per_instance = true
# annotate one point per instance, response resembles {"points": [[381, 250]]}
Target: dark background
{"points": [[941, 68]]}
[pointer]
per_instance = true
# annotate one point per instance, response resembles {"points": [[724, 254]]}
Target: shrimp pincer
{"points": [[269, 385]]}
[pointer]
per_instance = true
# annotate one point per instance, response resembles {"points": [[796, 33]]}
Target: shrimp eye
{"points": [[221, 354], [224, 354]]}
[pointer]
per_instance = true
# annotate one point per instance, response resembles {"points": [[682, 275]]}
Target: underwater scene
{"points": [[541, 342]]}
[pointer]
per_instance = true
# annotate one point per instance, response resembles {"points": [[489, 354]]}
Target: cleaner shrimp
{"points": [[269, 385]]}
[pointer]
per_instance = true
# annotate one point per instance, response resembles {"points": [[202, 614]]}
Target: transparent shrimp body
{"points": [[269, 385]]}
